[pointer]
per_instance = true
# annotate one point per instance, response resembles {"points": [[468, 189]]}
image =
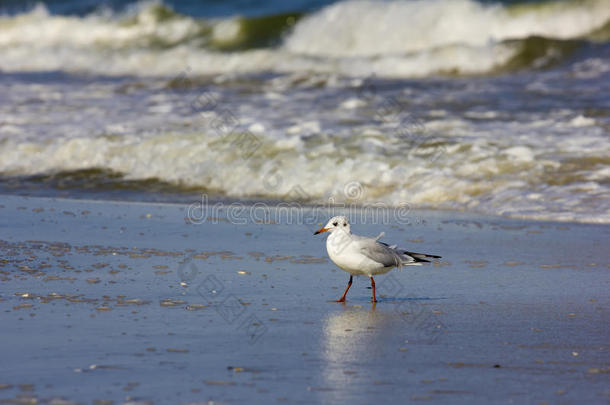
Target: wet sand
{"points": [[105, 302]]}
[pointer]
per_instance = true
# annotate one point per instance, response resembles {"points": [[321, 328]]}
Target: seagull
{"points": [[360, 255]]}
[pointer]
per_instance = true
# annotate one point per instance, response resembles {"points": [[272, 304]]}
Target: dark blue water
{"points": [[205, 8], [208, 8]]}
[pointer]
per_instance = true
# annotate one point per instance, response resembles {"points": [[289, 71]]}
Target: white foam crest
{"points": [[147, 62], [486, 177], [39, 30], [367, 28], [355, 38]]}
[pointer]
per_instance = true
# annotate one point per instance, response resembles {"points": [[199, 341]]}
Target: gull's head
{"points": [[335, 223]]}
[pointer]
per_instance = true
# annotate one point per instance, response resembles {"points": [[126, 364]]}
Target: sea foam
{"points": [[357, 38]]}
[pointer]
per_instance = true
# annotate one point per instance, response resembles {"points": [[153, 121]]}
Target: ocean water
{"points": [[494, 107]]}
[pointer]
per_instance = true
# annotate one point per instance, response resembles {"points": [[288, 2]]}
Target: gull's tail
{"points": [[406, 258], [413, 257]]}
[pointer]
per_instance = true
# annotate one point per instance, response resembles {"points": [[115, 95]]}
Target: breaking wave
{"points": [[358, 38]]}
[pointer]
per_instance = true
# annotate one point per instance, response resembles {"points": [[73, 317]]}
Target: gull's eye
{"points": [[345, 224], [334, 224]]}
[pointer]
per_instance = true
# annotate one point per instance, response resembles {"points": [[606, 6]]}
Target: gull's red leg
{"points": [[373, 285], [349, 284]]}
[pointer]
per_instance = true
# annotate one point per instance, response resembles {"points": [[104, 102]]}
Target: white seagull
{"points": [[359, 255]]}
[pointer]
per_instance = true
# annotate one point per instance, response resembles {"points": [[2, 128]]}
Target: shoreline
{"points": [[224, 202]]}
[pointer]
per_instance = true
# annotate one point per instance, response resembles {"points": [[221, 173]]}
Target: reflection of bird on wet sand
{"points": [[359, 255], [355, 340]]}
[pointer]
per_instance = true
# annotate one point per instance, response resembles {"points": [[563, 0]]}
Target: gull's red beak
{"points": [[321, 230]]}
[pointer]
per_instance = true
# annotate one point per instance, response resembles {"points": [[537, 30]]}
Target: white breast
{"points": [[346, 253]]}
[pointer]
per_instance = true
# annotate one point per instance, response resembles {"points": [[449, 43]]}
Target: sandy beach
{"points": [[105, 302]]}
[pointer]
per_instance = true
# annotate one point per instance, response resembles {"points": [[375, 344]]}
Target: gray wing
{"points": [[379, 252], [412, 256], [390, 255]]}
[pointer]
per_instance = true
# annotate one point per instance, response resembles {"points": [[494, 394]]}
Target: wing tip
{"points": [[421, 257]]}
